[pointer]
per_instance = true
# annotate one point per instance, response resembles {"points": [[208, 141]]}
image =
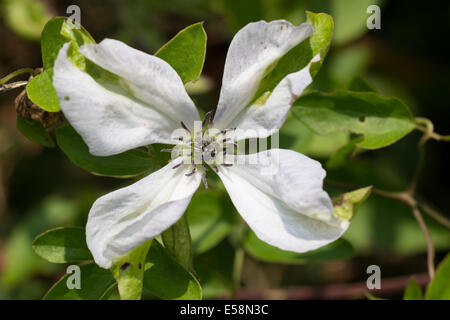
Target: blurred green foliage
{"points": [[26, 17]]}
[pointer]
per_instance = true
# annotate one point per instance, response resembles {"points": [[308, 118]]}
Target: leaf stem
{"points": [[11, 86], [408, 196], [425, 125], [4, 86], [16, 73]]}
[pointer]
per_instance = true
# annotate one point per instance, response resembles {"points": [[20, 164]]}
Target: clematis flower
{"points": [[147, 102]]}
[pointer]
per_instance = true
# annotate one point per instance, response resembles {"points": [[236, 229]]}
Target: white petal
{"points": [[279, 194], [145, 105], [253, 51], [126, 218], [263, 120]]}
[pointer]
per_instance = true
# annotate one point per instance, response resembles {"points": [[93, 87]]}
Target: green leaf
{"points": [[382, 120], [301, 55], [338, 250], [126, 164], [372, 297], [34, 131], [360, 84], [320, 40], [413, 291], [186, 52], [167, 279], [111, 294], [56, 33], [210, 219], [26, 17], [20, 262], [346, 205], [62, 245], [40, 90], [128, 271], [95, 283], [177, 240], [296, 136], [439, 288], [215, 269], [340, 157]]}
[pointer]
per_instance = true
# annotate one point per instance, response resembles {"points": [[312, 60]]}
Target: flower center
{"points": [[203, 147]]}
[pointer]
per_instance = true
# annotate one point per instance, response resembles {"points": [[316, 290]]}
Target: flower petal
{"points": [[126, 218], [279, 194], [254, 50], [262, 119], [133, 99]]}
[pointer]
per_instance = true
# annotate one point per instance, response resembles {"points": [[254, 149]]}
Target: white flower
{"points": [[147, 102]]}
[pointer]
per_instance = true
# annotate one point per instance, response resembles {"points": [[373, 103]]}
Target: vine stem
{"points": [[4, 86], [15, 74], [237, 270], [11, 86], [408, 196], [430, 246], [427, 127]]}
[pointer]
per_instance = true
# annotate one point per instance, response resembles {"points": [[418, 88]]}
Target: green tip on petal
{"points": [[129, 272], [346, 205]]}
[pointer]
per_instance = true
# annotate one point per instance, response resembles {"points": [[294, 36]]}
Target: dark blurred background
{"points": [[407, 58]]}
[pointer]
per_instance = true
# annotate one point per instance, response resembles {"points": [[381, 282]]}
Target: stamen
{"points": [[184, 126], [191, 173], [226, 130], [178, 165], [207, 150], [207, 120], [211, 118], [205, 182]]}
